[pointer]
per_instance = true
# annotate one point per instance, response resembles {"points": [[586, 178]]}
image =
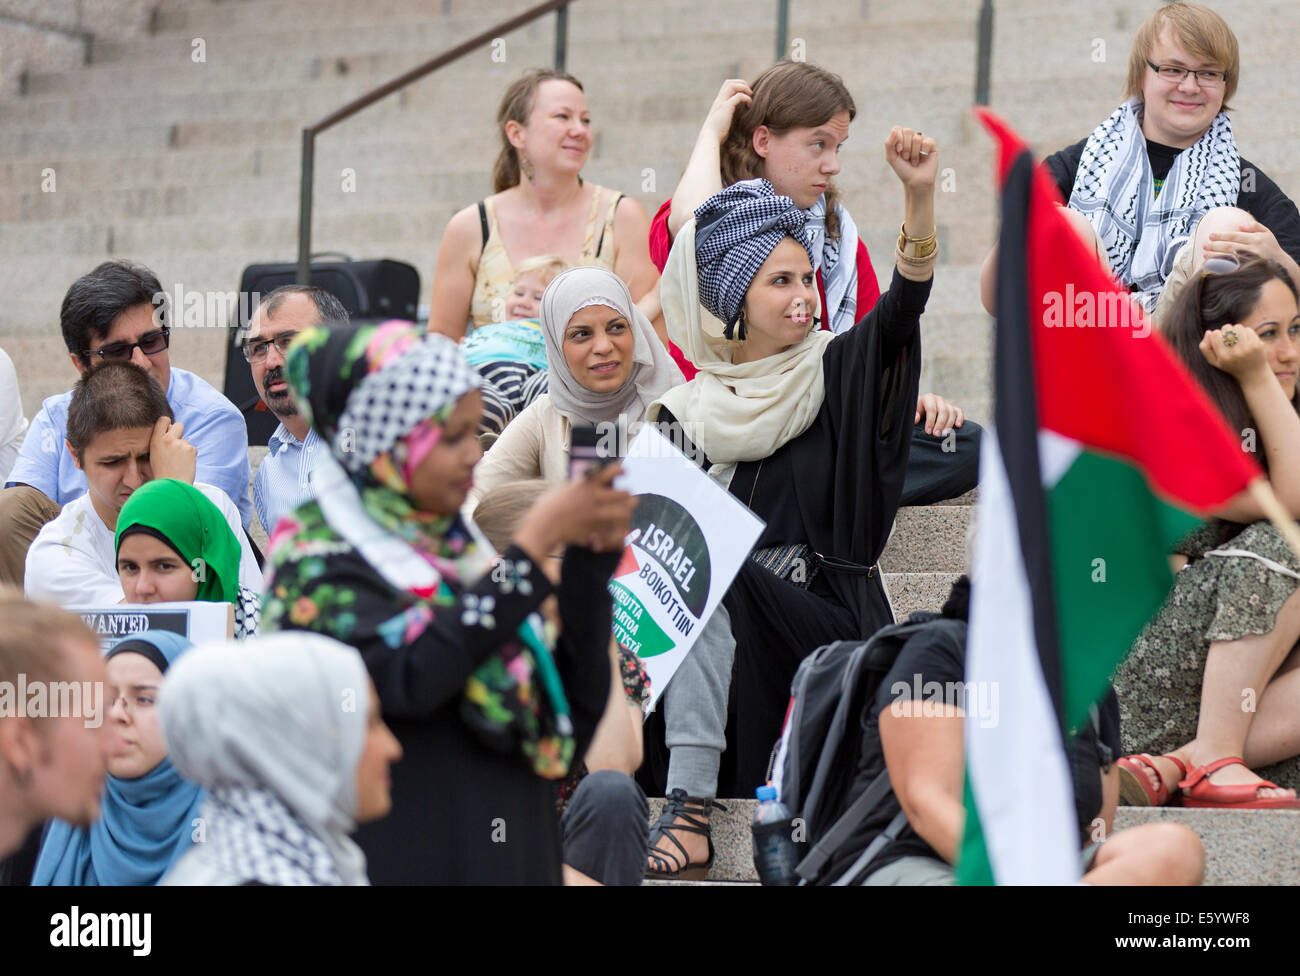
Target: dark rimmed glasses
{"points": [[256, 350], [151, 343], [1205, 77]]}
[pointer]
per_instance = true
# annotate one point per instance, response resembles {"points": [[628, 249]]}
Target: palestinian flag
{"points": [[1104, 451]]}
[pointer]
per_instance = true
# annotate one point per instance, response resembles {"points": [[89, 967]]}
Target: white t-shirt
{"points": [[72, 561]]}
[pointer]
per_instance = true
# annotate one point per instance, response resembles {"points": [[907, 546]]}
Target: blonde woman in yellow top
{"points": [[541, 206]]}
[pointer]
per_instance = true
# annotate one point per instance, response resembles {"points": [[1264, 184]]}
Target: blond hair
{"points": [[1200, 30], [545, 266]]}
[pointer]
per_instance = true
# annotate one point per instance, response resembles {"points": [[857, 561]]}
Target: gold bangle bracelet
{"points": [[913, 262], [902, 232]]}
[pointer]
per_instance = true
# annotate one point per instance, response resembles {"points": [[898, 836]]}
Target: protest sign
{"points": [[689, 538], [195, 620]]}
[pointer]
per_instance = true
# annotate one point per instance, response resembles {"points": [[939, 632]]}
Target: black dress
{"points": [[836, 488]]}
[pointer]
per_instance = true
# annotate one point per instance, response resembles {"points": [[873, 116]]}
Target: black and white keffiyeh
{"points": [[406, 390], [735, 231], [837, 260], [1115, 189], [251, 835], [248, 613], [273, 728]]}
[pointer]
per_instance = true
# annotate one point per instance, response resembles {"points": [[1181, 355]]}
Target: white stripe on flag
{"points": [[1018, 771]]}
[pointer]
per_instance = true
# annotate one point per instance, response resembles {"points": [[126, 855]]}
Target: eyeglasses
{"points": [[1207, 78], [257, 350], [151, 343]]}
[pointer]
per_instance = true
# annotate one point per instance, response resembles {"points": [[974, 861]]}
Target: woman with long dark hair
{"points": [[1211, 690]]}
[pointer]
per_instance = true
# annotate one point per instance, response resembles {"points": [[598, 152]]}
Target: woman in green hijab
{"points": [[173, 544]]}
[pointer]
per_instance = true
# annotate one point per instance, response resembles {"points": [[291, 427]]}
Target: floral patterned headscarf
{"points": [[379, 395]]}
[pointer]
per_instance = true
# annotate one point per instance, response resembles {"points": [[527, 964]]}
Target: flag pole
{"points": [[1263, 493]]}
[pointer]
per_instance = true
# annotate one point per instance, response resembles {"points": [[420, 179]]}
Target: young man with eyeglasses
{"points": [[283, 479], [118, 311], [1161, 180]]}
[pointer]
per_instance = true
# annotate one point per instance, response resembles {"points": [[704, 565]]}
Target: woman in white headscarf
{"points": [[606, 366], [284, 733]]}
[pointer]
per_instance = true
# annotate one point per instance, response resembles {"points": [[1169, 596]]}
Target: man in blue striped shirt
{"points": [[283, 479]]}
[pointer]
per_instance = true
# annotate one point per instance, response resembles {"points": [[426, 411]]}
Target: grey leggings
{"points": [[695, 709]]}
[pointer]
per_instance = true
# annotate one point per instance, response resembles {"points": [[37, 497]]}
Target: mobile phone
{"points": [[586, 451]]}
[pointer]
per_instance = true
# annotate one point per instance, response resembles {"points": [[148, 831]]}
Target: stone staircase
{"points": [[190, 165]]}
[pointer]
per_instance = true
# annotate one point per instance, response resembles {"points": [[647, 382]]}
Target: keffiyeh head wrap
{"points": [[378, 394], [653, 370], [735, 231], [145, 824], [734, 411], [273, 728]]}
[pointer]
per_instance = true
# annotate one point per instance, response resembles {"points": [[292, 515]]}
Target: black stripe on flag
{"points": [[1015, 412]]}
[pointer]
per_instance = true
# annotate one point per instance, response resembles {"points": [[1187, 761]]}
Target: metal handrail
{"points": [[309, 133], [983, 53], [561, 9]]}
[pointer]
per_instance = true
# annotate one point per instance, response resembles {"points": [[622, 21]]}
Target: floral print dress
{"points": [[1233, 586]]}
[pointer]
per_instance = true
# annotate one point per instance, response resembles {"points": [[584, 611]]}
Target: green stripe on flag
{"points": [[1110, 539], [973, 866]]}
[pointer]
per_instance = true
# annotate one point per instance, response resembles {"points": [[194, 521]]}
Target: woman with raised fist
{"points": [[808, 428]]}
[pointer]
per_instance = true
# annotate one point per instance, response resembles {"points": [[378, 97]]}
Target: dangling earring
{"points": [[525, 166], [740, 335]]}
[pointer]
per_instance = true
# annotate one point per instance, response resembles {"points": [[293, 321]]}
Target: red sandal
{"points": [[1198, 791], [1135, 787]]}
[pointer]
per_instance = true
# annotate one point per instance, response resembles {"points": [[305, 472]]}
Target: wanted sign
{"points": [[195, 620]]}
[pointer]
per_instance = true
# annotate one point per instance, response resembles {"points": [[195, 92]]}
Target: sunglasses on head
{"points": [[151, 343]]}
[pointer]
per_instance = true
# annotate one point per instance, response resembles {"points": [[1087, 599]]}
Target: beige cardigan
{"points": [[534, 445]]}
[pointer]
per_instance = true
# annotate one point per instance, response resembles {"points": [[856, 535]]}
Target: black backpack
{"points": [[821, 745]]}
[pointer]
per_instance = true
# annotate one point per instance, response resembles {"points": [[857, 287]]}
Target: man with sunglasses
{"points": [[283, 479], [1161, 180], [118, 312]]}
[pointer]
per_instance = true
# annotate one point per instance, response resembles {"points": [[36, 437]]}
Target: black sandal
{"points": [[681, 805]]}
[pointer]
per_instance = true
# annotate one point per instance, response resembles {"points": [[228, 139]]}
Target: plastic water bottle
{"points": [[775, 853]]}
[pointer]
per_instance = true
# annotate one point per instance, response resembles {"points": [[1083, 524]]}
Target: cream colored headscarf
{"points": [[734, 412], [653, 370]]}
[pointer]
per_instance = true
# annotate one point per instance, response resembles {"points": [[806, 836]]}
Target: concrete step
{"points": [[1242, 847], [928, 539]]}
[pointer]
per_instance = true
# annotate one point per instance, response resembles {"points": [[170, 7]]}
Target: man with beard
{"points": [[283, 479]]}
